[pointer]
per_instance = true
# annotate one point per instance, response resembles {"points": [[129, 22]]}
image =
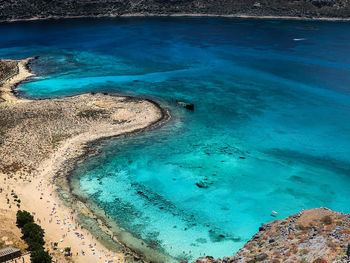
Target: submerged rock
{"points": [[202, 185], [189, 106]]}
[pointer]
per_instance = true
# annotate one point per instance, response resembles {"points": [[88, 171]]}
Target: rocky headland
{"points": [[316, 236], [42, 9]]}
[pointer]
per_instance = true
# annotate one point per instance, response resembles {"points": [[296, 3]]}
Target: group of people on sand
{"points": [[70, 228]]}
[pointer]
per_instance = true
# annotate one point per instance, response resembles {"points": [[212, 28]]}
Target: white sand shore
{"points": [[36, 189]]}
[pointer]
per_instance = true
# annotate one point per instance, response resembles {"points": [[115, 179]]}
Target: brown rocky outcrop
{"points": [[316, 235]]}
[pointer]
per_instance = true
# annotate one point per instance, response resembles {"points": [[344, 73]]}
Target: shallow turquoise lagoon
{"points": [[270, 130]]}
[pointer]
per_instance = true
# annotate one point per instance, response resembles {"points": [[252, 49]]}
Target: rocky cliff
{"points": [[316, 236], [29, 9]]}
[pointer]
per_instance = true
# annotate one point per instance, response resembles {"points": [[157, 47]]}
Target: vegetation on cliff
{"points": [[23, 9]]}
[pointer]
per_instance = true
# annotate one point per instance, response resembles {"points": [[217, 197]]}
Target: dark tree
{"points": [[23, 217], [33, 235], [40, 256], [35, 244], [32, 231]]}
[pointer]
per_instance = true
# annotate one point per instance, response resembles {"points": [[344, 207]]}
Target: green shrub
{"points": [[33, 236], [67, 251], [40, 256], [33, 245], [23, 217], [32, 230]]}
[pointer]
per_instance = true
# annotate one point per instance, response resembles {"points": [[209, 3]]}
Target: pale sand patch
{"points": [[29, 158]]}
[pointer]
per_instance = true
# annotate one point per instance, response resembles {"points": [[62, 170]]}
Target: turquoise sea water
{"points": [[270, 130]]}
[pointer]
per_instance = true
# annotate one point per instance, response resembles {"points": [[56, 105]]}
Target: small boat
{"points": [[299, 39], [274, 213]]}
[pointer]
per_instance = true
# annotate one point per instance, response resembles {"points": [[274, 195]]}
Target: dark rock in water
{"points": [[143, 195], [189, 106], [201, 240], [105, 93], [186, 106], [241, 157], [202, 185], [153, 243], [215, 236], [135, 80]]}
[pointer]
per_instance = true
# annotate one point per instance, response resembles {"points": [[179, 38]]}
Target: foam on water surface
{"points": [[270, 130]]}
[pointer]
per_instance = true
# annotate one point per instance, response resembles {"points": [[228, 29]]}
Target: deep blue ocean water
{"points": [[270, 130]]}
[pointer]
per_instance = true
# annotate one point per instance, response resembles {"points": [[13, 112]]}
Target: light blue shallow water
{"points": [[271, 128]]}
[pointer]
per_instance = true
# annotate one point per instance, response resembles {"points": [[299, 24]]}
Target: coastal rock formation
{"points": [[35, 9], [316, 235]]}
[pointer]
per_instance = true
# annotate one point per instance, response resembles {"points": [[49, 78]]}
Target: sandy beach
{"points": [[38, 137]]}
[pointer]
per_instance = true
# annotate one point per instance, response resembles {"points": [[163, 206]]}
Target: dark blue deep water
{"points": [[270, 131]]}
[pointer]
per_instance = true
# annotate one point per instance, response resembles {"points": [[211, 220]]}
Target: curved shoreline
{"points": [[72, 150], [91, 210], [10, 84], [189, 15]]}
